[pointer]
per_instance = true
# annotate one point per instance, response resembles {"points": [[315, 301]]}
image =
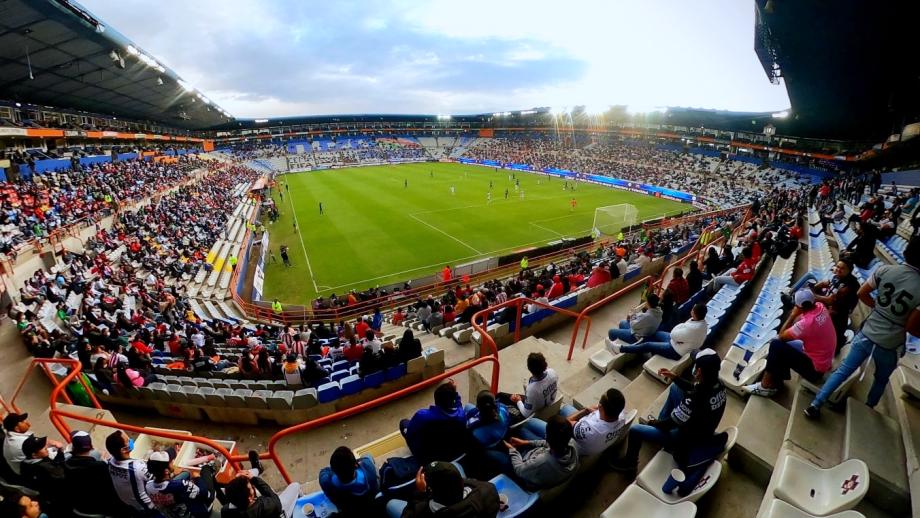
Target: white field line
{"points": [[460, 259], [429, 225], [302, 245]]}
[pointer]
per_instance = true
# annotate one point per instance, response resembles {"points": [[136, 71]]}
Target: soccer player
{"points": [[320, 208], [405, 183], [284, 256], [521, 194], [490, 185], [506, 193], [573, 203], [489, 197], [452, 190]]}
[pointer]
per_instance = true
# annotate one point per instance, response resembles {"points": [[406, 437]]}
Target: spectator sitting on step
{"points": [[439, 431], [736, 276], [251, 497], [17, 505], [683, 339], [86, 479], [351, 484], [44, 474], [547, 463], [541, 388], [597, 428], [17, 431], [180, 494], [689, 416], [409, 346], [637, 326], [806, 345]]}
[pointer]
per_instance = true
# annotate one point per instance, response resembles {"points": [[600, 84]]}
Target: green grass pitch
{"points": [[386, 224]]}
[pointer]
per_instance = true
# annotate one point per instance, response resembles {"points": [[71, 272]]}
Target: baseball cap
{"points": [[12, 419], [444, 482], [81, 441], [803, 296], [707, 361], [159, 456], [33, 444]]}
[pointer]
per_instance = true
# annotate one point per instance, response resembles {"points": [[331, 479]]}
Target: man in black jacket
{"points": [[690, 415], [252, 497], [43, 474], [88, 484], [444, 493]]}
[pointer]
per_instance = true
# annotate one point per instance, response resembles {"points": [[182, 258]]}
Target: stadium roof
{"points": [[849, 66], [54, 52]]}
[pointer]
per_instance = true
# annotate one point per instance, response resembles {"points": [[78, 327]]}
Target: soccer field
{"points": [[386, 224]]}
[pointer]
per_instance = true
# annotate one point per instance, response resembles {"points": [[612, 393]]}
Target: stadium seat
{"points": [[654, 364], [821, 491], [519, 501], [321, 504], [396, 372], [375, 379], [305, 398], [844, 387], [281, 400], [636, 502], [328, 392], [351, 385], [656, 472], [780, 509]]}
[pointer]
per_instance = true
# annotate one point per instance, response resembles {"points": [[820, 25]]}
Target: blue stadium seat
{"points": [[339, 375], [375, 379], [352, 385], [396, 372], [328, 392], [519, 501]]}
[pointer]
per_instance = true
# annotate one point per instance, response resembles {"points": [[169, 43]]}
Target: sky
{"points": [[273, 58]]}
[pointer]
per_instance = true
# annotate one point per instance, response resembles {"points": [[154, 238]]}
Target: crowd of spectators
{"points": [[718, 183], [33, 209]]}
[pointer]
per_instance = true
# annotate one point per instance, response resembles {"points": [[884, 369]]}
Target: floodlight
{"points": [[781, 115], [259, 121], [527, 112], [132, 50], [159, 80]]}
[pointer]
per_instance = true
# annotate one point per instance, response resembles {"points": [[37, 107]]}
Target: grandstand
{"points": [[140, 228]]}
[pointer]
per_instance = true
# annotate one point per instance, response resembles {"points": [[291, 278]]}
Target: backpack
{"points": [[394, 475]]}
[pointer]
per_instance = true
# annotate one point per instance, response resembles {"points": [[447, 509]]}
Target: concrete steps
{"points": [[876, 440]]}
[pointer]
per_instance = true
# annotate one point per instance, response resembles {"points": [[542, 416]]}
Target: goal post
{"points": [[611, 219]]}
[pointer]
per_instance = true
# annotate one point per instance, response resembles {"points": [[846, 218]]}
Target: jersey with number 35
{"points": [[897, 297]]}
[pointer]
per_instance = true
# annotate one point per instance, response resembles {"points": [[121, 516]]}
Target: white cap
{"points": [[159, 456], [803, 296]]}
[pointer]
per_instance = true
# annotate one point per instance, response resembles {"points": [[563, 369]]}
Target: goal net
{"points": [[610, 220]]}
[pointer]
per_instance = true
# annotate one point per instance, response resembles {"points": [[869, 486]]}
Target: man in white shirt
{"points": [[17, 431], [597, 428], [541, 387], [683, 339]]}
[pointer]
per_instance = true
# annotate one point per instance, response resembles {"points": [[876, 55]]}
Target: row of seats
{"points": [[749, 348]]}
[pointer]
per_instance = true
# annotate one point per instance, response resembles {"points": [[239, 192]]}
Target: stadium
{"points": [[347, 260]]}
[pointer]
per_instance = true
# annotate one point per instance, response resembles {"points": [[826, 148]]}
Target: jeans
{"points": [[535, 429], [886, 361], [724, 280], [783, 357], [623, 333], [395, 508], [659, 348], [639, 433]]}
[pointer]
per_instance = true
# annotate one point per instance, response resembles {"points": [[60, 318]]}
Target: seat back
{"points": [[305, 398], [281, 400], [328, 392]]}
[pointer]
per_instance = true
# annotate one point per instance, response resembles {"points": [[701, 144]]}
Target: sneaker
{"points": [[757, 389], [624, 465], [612, 346], [255, 462], [812, 412]]}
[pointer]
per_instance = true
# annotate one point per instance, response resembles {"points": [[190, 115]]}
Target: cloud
{"points": [[281, 58]]}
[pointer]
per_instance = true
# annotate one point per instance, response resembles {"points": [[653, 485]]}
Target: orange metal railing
{"points": [[584, 313]]}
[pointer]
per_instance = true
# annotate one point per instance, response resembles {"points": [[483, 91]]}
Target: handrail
{"points": [[57, 419], [357, 409], [591, 307], [667, 223], [673, 264]]}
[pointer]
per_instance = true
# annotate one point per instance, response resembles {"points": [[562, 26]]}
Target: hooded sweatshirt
{"points": [[540, 468]]}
